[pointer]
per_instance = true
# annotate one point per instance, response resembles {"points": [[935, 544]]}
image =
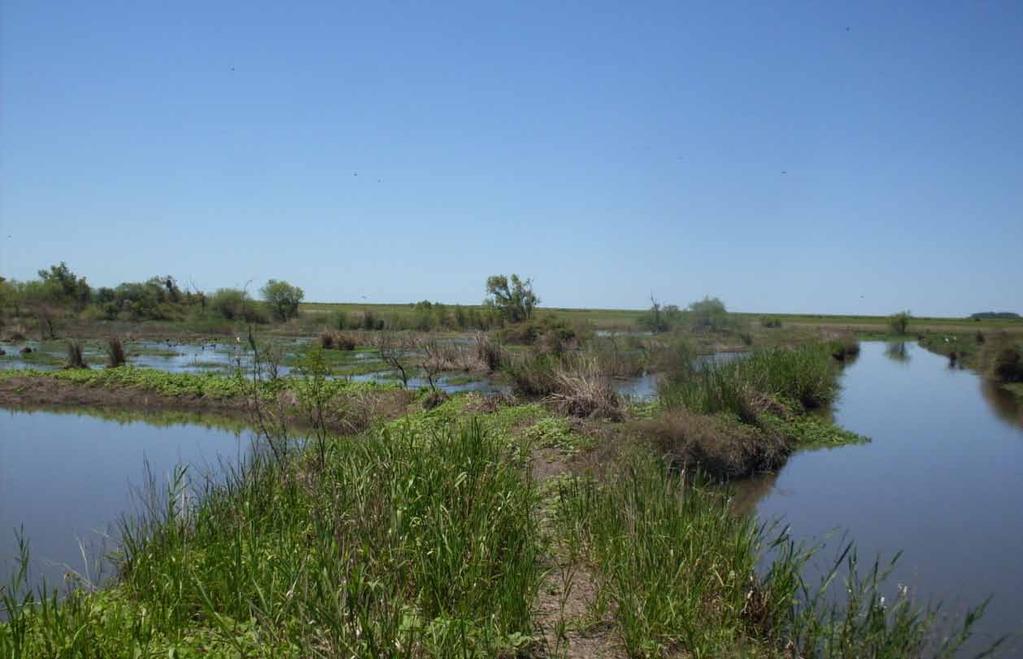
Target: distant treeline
{"points": [[60, 294], [991, 315]]}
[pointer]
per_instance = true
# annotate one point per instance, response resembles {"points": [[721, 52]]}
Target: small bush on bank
{"points": [[844, 346]]}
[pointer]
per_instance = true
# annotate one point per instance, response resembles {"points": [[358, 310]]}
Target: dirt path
{"points": [[565, 608]]}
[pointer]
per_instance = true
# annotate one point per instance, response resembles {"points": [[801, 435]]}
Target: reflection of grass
{"points": [[160, 419]]}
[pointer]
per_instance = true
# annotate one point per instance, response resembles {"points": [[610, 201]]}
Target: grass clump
{"points": [[844, 347], [804, 376], [115, 353], [75, 358]]}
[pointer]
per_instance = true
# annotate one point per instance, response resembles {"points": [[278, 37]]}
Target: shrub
{"points": [[282, 299], [490, 354], [708, 314], [899, 323], [235, 304]]}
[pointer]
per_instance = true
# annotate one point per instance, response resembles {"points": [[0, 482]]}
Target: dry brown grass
{"points": [[581, 390]]}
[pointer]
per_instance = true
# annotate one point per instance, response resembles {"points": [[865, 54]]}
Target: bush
{"points": [[282, 299], [899, 323], [235, 304], [708, 314]]}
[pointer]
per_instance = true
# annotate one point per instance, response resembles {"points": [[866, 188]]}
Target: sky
{"points": [[786, 157]]}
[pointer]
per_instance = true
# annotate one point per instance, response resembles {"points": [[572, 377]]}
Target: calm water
{"points": [[67, 478], [941, 480]]}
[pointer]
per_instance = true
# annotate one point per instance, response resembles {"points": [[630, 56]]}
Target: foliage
{"points": [[899, 323], [282, 299], [235, 304], [708, 314], [678, 571], [660, 318], [513, 297]]}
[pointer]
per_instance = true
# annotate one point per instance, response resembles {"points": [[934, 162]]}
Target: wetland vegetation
{"points": [[386, 511]]}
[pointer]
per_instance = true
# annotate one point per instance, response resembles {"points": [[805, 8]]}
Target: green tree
{"points": [[282, 299], [899, 322], [513, 297], [65, 287], [709, 314]]}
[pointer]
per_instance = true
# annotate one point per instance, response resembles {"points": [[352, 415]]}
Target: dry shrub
{"points": [[115, 353], [581, 390], [75, 358], [721, 447], [333, 340], [488, 353]]}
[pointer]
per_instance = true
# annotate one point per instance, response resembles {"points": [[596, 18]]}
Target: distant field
{"points": [[626, 318]]}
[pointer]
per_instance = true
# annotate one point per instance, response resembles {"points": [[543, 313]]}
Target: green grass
{"points": [[398, 544], [805, 376], [678, 572], [181, 385]]}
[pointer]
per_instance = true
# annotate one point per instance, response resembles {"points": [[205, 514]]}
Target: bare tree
{"points": [[393, 350]]}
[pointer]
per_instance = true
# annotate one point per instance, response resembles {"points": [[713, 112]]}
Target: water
{"points": [[67, 478], [941, 480]]}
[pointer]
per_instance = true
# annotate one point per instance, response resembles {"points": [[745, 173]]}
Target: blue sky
{"points": [[789, 157]]}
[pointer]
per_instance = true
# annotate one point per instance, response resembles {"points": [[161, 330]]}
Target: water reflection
{"points": [[66, 479], [1003, 403], [897, 351], [940, 480]]}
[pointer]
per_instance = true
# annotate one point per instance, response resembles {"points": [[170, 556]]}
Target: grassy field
{"points": [[626, 319]]}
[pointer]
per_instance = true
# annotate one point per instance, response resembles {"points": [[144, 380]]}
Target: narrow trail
{"points": [[566, 600]]}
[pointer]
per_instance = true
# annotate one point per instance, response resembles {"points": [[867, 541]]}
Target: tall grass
{"points": [[115, 353], [75, 357], [804, 376], [397, 544], [678, 571]]}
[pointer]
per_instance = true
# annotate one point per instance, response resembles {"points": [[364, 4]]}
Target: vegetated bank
{"points": [[486, 526]]}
